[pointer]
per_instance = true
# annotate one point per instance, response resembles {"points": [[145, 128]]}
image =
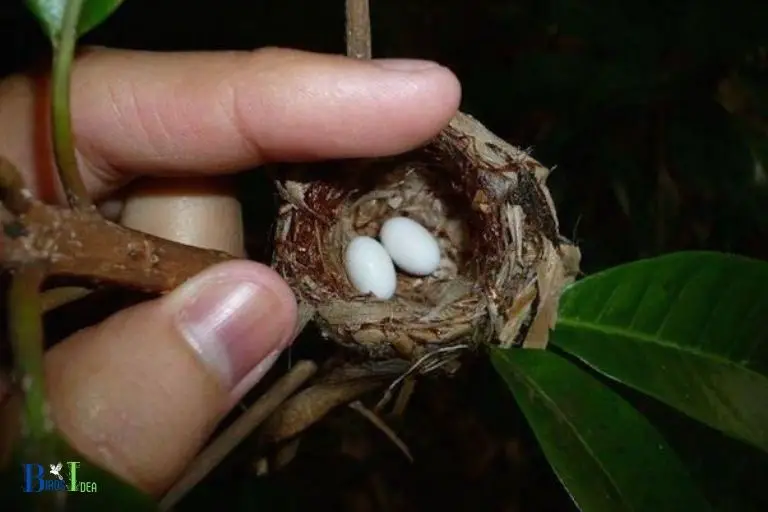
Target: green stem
{"points": [[25, 318], [61, 120], [38, 442]]}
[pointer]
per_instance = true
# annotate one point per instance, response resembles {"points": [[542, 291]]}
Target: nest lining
{"points": [[410, 191], [503, 261]]}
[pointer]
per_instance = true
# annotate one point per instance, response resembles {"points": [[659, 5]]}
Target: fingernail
{"points": [[407, 65], [254, 376], [233, 325]]}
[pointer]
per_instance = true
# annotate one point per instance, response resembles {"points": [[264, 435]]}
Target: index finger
{"points": [[205, 113]]}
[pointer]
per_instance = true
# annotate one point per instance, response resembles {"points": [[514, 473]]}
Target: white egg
{"points": [[410, 245], [370, 268]]}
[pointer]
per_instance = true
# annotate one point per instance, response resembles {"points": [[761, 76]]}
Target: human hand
{"points": [[140, 393]]}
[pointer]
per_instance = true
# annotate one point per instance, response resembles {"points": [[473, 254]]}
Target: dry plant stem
{"points": [[310, 406], [421, 365], [358, 406], [358, 26], [286, 454], [282, 457], [61, 122], [404, 397], [211, 456]]}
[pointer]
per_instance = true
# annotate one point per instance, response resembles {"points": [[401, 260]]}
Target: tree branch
{"points": [[85, 247]]}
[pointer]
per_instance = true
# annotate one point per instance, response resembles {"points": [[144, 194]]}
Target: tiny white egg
{"points": [[370, 267], [410, 245]]}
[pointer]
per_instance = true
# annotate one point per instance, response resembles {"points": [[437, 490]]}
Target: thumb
{"points": [[140, 393]]}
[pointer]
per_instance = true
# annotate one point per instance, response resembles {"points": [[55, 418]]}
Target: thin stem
{"points": [[61, 121], [358, 25], [38, 441], [26, 332]]}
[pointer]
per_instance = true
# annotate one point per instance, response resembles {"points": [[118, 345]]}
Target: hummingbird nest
{"points": [[503, 266]]}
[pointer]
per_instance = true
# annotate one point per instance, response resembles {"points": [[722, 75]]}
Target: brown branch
{"points": [[358, 26], [377, 422], [84, 246]]}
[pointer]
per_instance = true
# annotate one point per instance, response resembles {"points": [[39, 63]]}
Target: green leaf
{"points": [[608, 456], [94, 13], [50, 13], [740, 487], [97, 489], [688, 329]]}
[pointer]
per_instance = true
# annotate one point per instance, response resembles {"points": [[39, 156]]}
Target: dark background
{"points": [[626, 99]]}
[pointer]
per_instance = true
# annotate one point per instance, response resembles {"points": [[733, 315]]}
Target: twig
{"points": [[61, 121], [358, 25], [211, 456], [286, 454], [358, 406], [404, 397], [422, 365]]}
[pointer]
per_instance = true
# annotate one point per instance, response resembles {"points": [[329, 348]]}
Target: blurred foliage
{"points": [[655, 117]]}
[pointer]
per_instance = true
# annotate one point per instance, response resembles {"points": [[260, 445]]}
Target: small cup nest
{"points": [[504, 263]]}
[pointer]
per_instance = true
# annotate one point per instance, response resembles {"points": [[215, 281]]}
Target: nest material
{"points": [[504, 263]]}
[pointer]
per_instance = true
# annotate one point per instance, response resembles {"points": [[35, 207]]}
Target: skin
{"points": [[131, 394]]}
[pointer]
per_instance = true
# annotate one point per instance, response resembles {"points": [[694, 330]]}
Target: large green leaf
{"points": [[730, 473], [687, 328], [50, 13], [608, 456]]}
